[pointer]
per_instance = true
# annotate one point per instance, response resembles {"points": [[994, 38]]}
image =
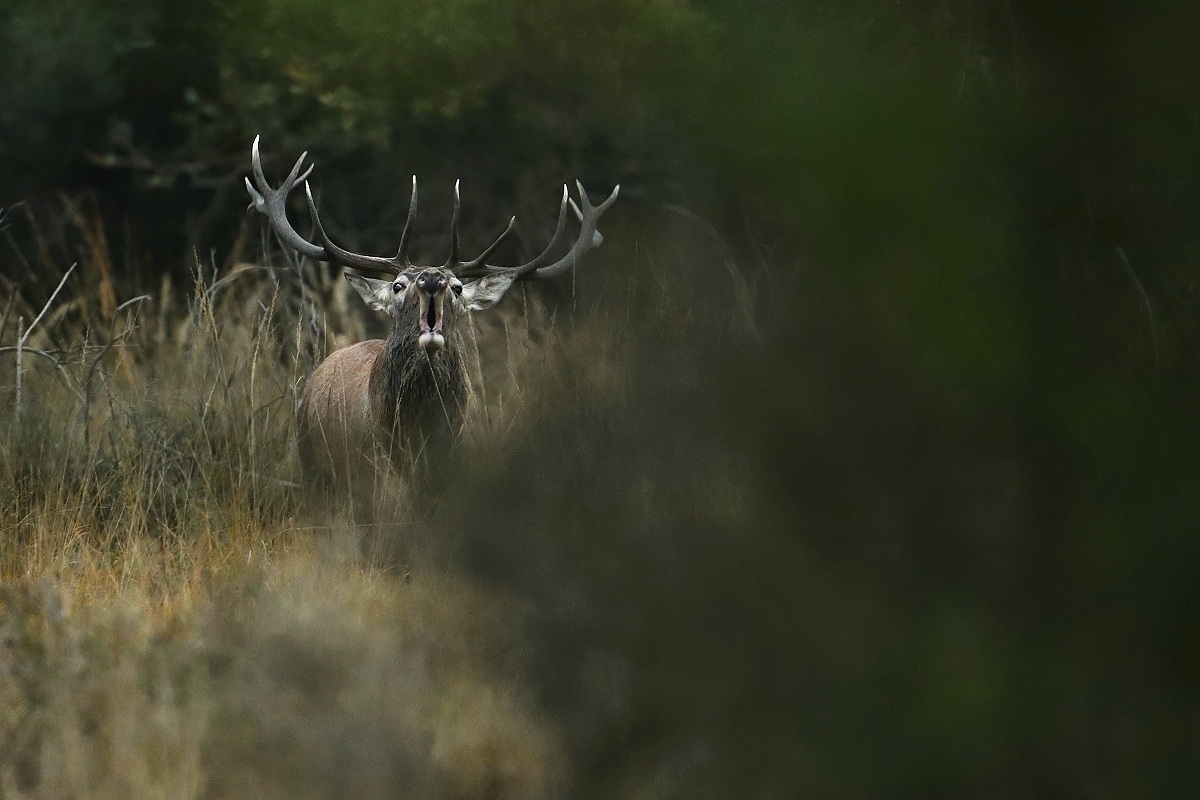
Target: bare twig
{"points": [[51, 357], [53, 295], [17, 403], [131, 301], [7, 310], [23, 336], [6, 213], [113, 339], [247, 270]]}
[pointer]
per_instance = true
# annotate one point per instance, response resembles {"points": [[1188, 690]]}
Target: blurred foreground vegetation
{"points": [[861, 461]]}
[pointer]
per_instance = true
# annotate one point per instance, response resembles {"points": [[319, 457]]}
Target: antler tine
{"points": [[345, 257], [541, 258], [272, 202], [453, 261], [402, 253], [560, 228], [589, 237], [476, 268]]}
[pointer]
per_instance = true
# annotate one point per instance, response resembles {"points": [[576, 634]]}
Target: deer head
{"points": [[428, 297]]}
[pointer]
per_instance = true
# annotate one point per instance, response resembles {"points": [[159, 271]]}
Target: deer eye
{"points": [[457, 288], [399, 286]]}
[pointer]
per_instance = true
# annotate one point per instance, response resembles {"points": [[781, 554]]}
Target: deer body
{"points": [[392, 395], [377, 398]]}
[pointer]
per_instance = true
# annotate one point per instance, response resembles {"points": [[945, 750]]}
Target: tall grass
{"points": [[699, 536], [175, 622]]}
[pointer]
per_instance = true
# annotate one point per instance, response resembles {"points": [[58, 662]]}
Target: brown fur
{"points": [[338, 431], [379, 399]]}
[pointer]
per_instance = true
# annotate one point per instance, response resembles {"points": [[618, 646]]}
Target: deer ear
{"points": [[375, 293], [487, 291]]}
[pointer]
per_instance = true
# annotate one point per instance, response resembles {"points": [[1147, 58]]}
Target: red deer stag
{"points": [[393, 394]]}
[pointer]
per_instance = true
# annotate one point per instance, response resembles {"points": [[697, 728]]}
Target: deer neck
{"points": [[411, 387]]}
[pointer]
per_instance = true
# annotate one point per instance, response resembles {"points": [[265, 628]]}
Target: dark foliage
{"points": [[897, 495]]}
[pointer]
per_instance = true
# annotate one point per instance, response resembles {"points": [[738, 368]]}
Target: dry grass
{"points": [[171, 623]]}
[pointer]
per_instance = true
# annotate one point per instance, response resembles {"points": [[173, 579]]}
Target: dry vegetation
{"points": [[860, 461], [175, 623]]}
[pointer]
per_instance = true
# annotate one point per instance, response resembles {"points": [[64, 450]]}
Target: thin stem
{"points": [[46, 307], [17, 404]]}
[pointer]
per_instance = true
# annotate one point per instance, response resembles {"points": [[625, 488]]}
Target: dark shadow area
{"points": [[860, 461]]}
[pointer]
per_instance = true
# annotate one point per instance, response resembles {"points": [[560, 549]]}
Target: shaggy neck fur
{"points": [[416, 389]]}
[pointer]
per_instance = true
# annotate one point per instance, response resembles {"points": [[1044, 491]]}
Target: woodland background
{"points": [[864, 458]]}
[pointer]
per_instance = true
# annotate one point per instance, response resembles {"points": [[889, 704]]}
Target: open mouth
{"points": [[431, 337]]}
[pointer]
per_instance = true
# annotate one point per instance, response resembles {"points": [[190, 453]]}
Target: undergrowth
{"points": [[174, 622]]}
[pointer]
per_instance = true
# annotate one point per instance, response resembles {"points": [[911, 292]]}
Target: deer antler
{"points": [[475, 267], [589, 237], [273, 203]]}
